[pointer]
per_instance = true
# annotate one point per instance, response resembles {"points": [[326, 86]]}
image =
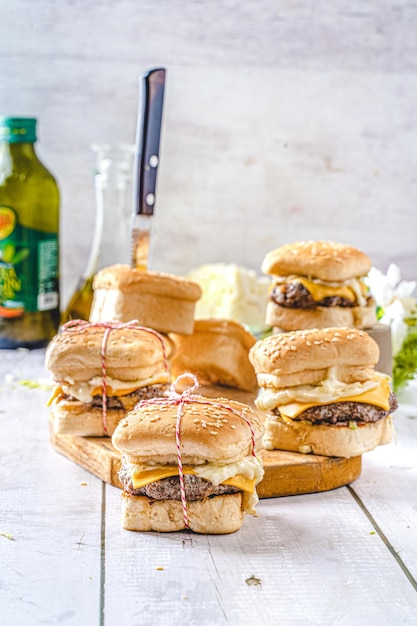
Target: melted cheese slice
{"points": [[320, 291], [84, 391], [142, 478], [244, 475], [56, 392], [352, 289], [378, 396]]}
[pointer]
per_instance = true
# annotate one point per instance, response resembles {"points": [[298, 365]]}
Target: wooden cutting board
{"points": [[286, 473]]}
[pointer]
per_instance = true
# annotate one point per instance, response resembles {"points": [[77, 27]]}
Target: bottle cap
{"points": [[18, 129]]}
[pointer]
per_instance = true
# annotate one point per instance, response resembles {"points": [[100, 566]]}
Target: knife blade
{"points": [[148, 135]]}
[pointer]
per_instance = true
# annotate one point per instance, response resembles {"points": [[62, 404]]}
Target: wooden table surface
{"points": [[346, 556]]}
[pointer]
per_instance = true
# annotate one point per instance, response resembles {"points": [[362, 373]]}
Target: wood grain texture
{"points": [[344, 556], [306, 559], [387, 488], [50, 568], [286, 473], [283, 121], [290, 473]]}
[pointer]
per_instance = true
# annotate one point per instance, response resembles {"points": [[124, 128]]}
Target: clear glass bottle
{"points": [[29, 240], [111, 239]]}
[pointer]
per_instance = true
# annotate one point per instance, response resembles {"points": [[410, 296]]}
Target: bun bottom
{"points": [[217, 515], [71, 417], [284, 318], [325, 439]]}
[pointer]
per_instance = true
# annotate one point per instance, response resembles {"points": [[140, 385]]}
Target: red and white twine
{"points": [[82, 325], [180, 400]]}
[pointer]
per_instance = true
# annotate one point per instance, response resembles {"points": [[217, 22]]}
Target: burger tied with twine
{"points": [[189, 462]]}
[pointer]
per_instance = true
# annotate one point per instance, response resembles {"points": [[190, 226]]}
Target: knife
{"points": [[148, 134]]}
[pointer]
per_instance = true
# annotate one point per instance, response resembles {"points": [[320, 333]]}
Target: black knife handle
{"points": [[152, 87]]}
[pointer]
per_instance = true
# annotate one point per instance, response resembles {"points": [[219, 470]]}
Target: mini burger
{"points": [[318, 284], [320, 392], [101, 372], [220, 469]]}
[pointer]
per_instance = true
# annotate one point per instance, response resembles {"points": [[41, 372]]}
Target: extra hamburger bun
{"points": [[320, 393], [318, 284], [136, 364], [216, 443], [160, 301], [217, 353]]}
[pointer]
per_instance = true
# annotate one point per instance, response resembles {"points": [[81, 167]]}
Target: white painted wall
{"points": [[284, 120]]}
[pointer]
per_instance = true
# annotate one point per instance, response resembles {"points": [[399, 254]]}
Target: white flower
{"points": [[386, 288], [395, 298], [394, 315]]}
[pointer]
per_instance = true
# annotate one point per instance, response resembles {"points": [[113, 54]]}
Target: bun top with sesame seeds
{"points": [[131, 353], [211, 430], [323, 260], [306, 356]]}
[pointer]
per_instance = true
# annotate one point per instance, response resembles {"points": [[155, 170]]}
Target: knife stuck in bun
{"points": [[189, 462], [321, 393]]}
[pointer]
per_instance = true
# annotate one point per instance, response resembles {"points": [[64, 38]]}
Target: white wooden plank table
{"points": [[347, 556]]}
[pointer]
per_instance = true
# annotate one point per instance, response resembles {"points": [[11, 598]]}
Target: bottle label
{"points": [[28, 267]]}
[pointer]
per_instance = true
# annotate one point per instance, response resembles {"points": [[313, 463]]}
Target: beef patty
{"points": [[196, 488], [342, 413], [295, 296], [129, 401]]}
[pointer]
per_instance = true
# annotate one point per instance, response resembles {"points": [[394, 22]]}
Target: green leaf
{"points": [[405, 362]]}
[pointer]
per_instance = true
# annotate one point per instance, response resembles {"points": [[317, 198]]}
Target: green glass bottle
{"points": [[29, 240]]}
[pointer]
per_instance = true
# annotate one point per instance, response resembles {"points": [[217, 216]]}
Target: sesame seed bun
{"points": [[132, 354], [318, 284], [210, 432], [313, 392], [304, 356], [216, 515], [161, 301], [325, 260], [217, 353]]}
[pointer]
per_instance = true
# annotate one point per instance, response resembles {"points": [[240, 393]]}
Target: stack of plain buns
{"points": [[160, 301]]}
